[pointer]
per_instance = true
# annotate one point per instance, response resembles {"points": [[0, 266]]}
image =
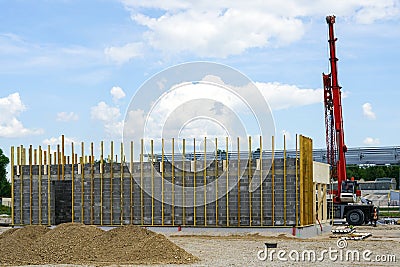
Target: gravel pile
{"points": [[73, 243]]}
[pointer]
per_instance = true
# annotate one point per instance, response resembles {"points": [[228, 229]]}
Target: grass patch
{"points": [[5, 210], [390, 214]]}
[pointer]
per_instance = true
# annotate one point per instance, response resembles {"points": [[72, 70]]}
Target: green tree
{"points": [[5, 186], [370, 173]]}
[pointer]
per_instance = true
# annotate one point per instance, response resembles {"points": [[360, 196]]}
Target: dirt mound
{"points": [[67, 243], [73, 243], [141, 246], [16, 245]]}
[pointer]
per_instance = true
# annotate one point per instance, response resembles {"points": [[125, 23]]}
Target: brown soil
{"points": [[81, 244]]}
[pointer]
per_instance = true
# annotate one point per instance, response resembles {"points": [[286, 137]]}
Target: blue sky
{"points": [[72, 67]]}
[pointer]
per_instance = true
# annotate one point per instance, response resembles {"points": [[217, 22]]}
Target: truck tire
{"points": [[355, 217]]}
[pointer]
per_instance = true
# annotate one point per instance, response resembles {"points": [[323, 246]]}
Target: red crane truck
{"points": [[345, 205]]}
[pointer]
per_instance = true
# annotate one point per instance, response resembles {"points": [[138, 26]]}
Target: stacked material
{"points": [[349, 233]]}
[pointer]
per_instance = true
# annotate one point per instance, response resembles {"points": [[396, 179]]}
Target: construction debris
{"points": [[349, 233]]}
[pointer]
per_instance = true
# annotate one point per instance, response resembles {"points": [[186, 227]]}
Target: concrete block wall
{"points": [[112, 196]]}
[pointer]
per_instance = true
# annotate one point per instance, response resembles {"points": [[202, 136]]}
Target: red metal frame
{"points": [[336, 148]]}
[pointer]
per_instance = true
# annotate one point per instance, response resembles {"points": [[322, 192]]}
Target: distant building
{"points": [[5, 201], [384, 184]]}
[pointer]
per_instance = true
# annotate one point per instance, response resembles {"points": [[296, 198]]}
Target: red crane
{"points": [[336, 148], [354, 213]]}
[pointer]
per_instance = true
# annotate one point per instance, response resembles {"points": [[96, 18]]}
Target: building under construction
{"points": [[228, 189]]}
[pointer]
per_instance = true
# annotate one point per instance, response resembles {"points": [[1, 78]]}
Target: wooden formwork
{"points": [[109, 191]]}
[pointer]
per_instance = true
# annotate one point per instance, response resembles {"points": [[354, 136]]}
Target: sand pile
{"points": [[81, 244], [16, 245]]}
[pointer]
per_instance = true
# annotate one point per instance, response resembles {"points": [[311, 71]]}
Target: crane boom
{"points": [[345, 197], [336, 147]]}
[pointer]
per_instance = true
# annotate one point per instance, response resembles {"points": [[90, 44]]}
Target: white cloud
{"points": [[110, 117], [53, 141], [201, 109], [11, 107], [212, 34], [67, 116], [284, 96], [367, 111], [370, 141], [122, 54], [117, 93], [222, 28]]}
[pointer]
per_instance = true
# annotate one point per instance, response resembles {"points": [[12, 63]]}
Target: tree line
{"points": [[370, 173]]}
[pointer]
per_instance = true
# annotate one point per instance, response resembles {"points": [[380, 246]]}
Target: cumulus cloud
{"points": [[370, 141], [117, 93], [284, 96], [109, 116], [367, 111], [201, 109], [11, 107], [222, 28], [53, 141], [67, 116], [122, 54]]}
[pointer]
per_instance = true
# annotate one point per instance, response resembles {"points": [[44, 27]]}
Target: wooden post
{"points": [[152, 181], [58, 162], [238, 184], [83, 163], [284, 180], [227, 180], [30, 184], [205, 181], [101, 180], [183, 182], [19, 172], [261, 184], [63, 157], [111, 182], [122, 184], [173, 182], [162, 181], [91, 183], [22, 163], [194, 182], [250, 177], [216, 181], [48, 186], [141, 183], [302, 211], [131, 182], [12, 185], [73, 183], [40, 185], [297, 186], [273, 180]]}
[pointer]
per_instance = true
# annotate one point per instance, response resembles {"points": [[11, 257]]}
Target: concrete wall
{"points": [[105, 195]]}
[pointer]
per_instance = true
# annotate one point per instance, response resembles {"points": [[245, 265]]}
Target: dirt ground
{"points": [[221, 249]]}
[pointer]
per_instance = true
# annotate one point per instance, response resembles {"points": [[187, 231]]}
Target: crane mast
{"points": [[336, 147], [345, 199]]}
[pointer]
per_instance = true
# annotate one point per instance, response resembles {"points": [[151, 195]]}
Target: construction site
{"points": [[170, 204]]}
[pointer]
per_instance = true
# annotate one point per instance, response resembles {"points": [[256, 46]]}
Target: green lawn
{"points": [[390, 213]]}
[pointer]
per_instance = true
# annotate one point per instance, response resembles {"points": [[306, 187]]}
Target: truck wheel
{"points": [[355, 217]]}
